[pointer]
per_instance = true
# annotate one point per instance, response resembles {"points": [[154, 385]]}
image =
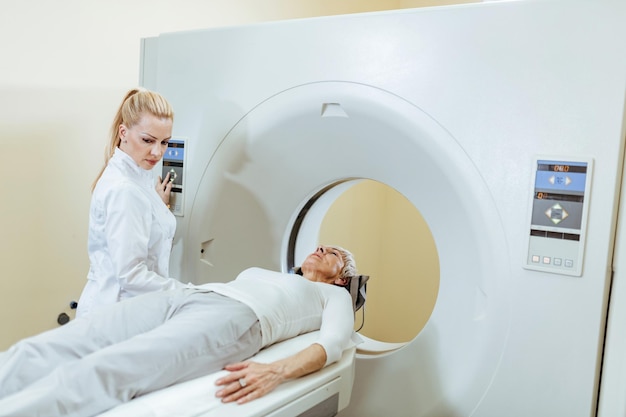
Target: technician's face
{"points": [[147, 140], [324, 265]]}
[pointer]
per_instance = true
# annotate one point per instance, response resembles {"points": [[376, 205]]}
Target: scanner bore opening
{"points": [[391, 242]]}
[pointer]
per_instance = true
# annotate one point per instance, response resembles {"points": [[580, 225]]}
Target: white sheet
{"points": [[196, 398]]}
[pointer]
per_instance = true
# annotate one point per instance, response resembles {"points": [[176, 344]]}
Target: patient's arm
{"points": [[262, 378]]}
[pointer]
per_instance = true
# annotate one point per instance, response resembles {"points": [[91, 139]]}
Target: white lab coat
{"points": [[130, 238]]}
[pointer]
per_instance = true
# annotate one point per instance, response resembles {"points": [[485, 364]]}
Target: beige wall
{"points": [[64, 66]]}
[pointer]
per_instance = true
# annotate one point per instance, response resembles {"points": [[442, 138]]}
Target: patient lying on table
{"points": [[146, 343]]}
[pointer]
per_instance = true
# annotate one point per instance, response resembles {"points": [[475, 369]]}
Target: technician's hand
{"points": [[164, 189], [248, 381]]}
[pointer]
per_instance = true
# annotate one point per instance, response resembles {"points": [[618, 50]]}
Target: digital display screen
{"points": [[559, 197], [173, 161]]}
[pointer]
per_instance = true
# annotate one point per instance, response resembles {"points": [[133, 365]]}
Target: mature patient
{"points": [[155, 340]]}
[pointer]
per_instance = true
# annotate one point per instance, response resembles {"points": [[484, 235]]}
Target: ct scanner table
{"points": [[321, 394]]}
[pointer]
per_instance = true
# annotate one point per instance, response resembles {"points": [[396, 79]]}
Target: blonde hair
{"points": [[135, 104]]}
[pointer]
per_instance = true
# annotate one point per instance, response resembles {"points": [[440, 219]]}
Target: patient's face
{"points": [[324, 265]]}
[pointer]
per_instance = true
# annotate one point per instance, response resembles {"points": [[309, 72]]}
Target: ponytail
{"points": [[136, 103]]}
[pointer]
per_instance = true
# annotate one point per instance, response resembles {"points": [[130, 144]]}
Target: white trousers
{"points": [[131, 348]]}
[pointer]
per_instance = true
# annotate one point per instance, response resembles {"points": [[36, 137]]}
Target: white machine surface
{"points": [[482, 116]]}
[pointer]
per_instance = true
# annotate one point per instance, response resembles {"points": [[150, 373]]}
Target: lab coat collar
{"points": [[126, 164]]}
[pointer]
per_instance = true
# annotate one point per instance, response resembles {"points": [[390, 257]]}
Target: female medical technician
{"points": [[131, 228]]}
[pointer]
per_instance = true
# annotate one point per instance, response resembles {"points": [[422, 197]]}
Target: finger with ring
{"points": [[242, 382]]}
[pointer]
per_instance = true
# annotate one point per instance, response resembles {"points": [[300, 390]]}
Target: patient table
{"points": [[319, 394]]}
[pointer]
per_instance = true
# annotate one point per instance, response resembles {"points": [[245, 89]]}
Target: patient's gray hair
{"points": [[349, 265]]}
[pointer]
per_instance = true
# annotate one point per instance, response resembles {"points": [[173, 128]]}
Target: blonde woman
{"points": [[131, 228]]}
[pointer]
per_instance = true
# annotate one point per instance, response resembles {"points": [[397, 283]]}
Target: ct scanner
{"points": [[501, 122]]}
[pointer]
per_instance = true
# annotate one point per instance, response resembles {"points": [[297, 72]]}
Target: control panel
{"points": [[558, 216], [174, 164]]}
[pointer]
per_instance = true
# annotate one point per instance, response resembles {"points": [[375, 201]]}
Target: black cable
{"points": [[363, 319], [363, 312]]}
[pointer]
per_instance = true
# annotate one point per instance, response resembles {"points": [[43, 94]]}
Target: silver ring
{"points": [[242, 382]]}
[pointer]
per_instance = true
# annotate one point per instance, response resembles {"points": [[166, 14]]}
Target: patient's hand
{"points": [[248, 381], [251, 380]]}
